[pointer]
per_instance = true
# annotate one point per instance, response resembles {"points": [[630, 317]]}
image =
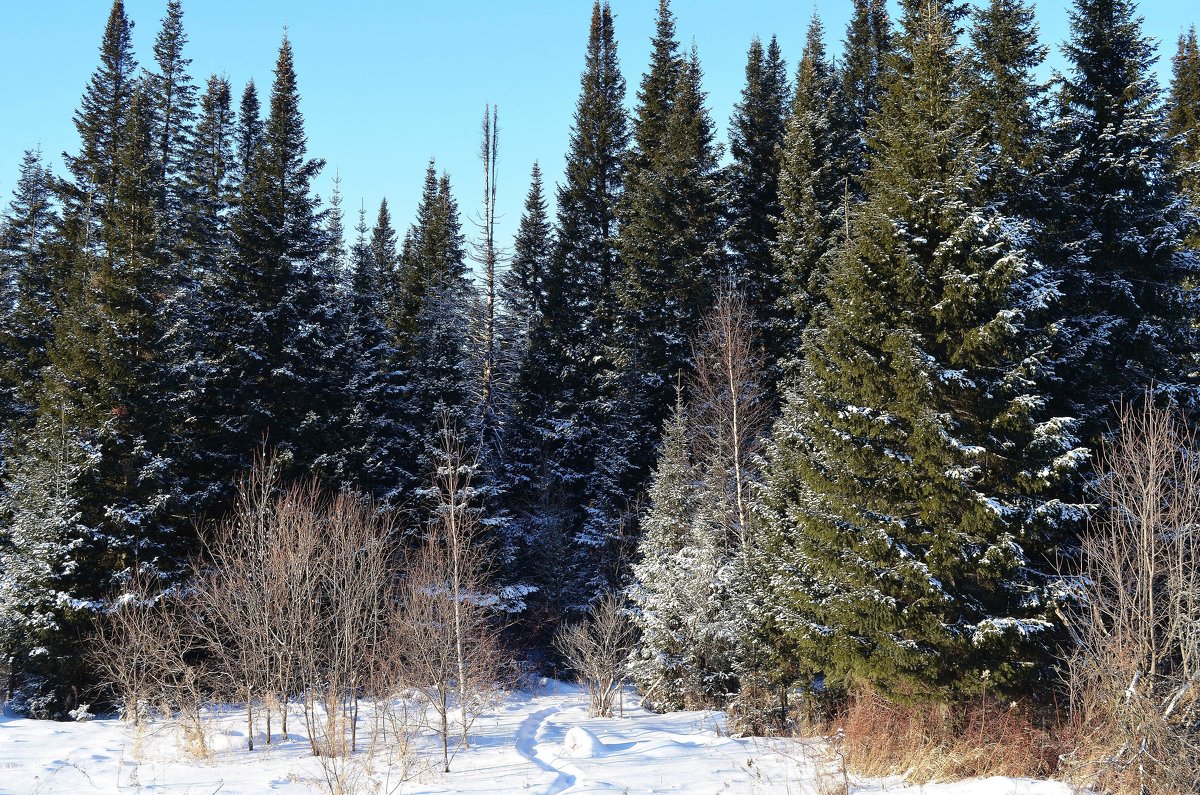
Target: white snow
{"points": [[540, 743]]}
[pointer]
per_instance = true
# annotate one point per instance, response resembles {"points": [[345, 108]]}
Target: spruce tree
{"points": [[1126, 313], [670, 244], [1184, 119], [1006, 102], [908, 529], [248, 135], [813, 192], [198, 324], [102, 427], [91, 195], [864, 54], [430, 322], [274, 365], [374, 420], [756, 135], [559, 386], [30, 279], [171, 103]]}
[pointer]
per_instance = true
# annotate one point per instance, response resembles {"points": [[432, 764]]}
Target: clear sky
{"points": [[386, 85]]}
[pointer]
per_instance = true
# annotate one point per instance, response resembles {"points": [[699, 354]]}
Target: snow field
{"points": [[531, 743]]}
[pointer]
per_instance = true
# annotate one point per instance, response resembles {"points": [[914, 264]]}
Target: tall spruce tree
{"points": [[92, 192], [374, 420], [756, 134], [864, 53], [1007, 103], [171, 103], [274, 373], [102, 428], [431, 322], [908, 526], [30, 279], [559, 386], [670, 244], [1126, 313], [1184, 119], [813, 193]]}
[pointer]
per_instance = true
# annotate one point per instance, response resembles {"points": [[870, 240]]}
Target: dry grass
{"points": [[935, 742]]}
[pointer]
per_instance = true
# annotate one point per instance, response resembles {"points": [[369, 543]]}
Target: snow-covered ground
{"points": [[540, 743]]}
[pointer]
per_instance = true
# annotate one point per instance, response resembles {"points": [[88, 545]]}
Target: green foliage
{"points": [[908, 534]]}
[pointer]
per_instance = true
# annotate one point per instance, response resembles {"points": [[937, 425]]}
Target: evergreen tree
{"points": [[1184, 119], [813, 193], [275, 368], [335, 233], [559, 385], [374, 421], [1006, 102], [865, 52], [1126, 316], [30, 279], [100, 119], [198, 326], [909, 531], [431, 322], [529, 487], [249, 134], [171, 102], [101, 426], [670, 244], [756, 135], [523, 285]]}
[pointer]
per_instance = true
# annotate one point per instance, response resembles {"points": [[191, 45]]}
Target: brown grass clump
{"points": [[937, 742]]}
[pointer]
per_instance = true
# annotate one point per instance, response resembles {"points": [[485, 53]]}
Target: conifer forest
{"points": [[872, 415]]}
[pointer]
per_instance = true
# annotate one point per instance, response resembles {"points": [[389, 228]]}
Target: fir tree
{"points": [[335, 233], [1126, 317], [100, 426], [908, 523], [374, 419], [171, 102], [670, 248], [569, 344], [198, 326], [756, 134], [523, 285], [249, 133], [430, 321], [275, 367]]}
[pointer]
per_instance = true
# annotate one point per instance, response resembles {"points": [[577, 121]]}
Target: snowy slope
{"points": [[542, 743]]}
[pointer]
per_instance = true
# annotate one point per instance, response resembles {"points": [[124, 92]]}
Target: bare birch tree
{"points": [[448, 618], [1135, 678]]}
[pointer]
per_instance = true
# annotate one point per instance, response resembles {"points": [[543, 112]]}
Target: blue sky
{"points": [[387, 85]]}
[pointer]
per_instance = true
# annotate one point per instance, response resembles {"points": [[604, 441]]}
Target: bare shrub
{"points": [[292, 600], [147, 652], [597, 649], [1133, 677]]}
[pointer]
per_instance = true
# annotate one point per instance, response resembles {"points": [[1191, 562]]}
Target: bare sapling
{"points": [[1135, 674], [452, 651], [598, 648], [730, 411]]}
